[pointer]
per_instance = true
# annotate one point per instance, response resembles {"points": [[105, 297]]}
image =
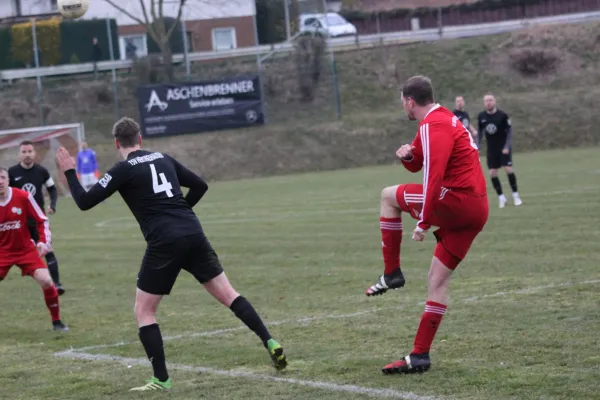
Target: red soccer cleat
{"points": [[413, 363]]}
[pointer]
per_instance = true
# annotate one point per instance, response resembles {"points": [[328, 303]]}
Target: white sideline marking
{"points": [[336, 316], [129, 222], [334, 387]]}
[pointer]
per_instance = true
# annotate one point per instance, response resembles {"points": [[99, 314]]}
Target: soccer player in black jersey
{"points": [[32, 177], [463, 115], [495, 125], [150, 183]]}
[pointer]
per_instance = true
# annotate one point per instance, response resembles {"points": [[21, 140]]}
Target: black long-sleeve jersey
{"points": [[497, 130], [33, 180], [150, 183]]}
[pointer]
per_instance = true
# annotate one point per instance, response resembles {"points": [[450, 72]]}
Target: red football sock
{"points": [[430, 321], [51, 297], [391, 239]]}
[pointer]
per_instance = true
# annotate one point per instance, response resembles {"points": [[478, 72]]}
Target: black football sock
{"points": [[497, 185], [153, 344], [53, 267], [245, 312], [512, 179]]}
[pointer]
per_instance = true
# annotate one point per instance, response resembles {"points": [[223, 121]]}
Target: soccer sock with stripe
{"points": [[51, 298], [151, 339], [391, 240], [430, 321], [497, 185], [53, 266], [512, 179], [248, 315]]}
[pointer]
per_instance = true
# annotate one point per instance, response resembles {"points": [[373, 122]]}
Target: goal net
{"points": [[47, 140]]}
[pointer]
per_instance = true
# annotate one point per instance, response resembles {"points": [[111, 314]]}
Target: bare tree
{"points": [[153, 18]]}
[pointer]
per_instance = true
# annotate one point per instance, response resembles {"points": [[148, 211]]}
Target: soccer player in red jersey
{"points": [[452, 198], [17, 247]]}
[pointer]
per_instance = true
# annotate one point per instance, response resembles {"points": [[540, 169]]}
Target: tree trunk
{"points": [[167, 55]]}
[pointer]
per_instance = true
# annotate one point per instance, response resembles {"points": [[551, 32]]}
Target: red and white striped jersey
{"points": [[15, 239], [449, 157]]}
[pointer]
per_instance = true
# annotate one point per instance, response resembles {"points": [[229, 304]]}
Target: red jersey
{"points": [[449, 158], [15, 239]]}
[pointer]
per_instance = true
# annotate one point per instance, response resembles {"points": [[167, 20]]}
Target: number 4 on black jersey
{"points": [[150, 183]]}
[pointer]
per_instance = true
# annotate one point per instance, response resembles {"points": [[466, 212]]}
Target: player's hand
{"points": [[51, 210], [405, 152], [42, 249], [418, 234], [65, 161], [505, 151]]}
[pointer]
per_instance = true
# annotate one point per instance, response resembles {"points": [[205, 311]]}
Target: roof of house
{"points": [[385, 5]]}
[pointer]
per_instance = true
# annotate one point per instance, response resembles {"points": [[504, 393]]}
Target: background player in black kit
{"points": [[32, 177], [463, 115], [150, 183], [496, 126]]}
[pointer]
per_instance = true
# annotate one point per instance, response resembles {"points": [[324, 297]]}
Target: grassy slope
{"points": [[308, 246], [549, 111]]}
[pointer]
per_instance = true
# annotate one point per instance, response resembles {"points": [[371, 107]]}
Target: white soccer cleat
{"points": [[502, 201], [517, 200]]}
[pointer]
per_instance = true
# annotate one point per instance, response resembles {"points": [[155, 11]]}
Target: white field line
{"points": [[237, 218], [334, 387], [341, 316]]}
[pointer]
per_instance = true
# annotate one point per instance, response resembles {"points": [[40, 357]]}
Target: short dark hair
{"points": [[3, 169], [26, 143], [127, 132], [420, 89]]}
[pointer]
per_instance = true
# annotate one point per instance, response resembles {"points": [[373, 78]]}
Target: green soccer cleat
{"points": [[277, 354], [154, 384]]}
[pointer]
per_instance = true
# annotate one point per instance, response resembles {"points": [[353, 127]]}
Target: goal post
{"points": [[47, 140]]}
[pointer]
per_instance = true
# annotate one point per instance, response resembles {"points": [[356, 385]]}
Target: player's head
{"points": [[459, 103], [84, 145], [27, 153], [489, 101], [3, 181], [127, 133], [417, 93]]}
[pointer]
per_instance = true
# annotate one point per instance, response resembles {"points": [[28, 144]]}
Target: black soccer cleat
{"points": [[59, 289], [395, 280], [411, 364], [59, 326]]}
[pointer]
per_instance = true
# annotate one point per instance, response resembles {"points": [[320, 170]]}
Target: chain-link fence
{"points": [[301, 85]]}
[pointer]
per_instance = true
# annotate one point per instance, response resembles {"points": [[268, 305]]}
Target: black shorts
{"points": [[497, 159], [161, 264]]}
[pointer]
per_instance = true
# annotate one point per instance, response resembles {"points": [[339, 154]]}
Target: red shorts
{"points": [[459, 217], [28, 263]]}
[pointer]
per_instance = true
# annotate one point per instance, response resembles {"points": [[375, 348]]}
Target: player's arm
{"points": [[51, 188], [41, 220], [437, 147], [101, 191], [194, 182], [480, 132], [415, 163], [508, 126]]}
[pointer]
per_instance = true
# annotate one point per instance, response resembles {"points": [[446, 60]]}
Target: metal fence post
{"points": [[114, 72], [40, 88]]}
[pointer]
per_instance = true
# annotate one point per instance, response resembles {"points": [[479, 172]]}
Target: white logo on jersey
{"points": [[30, 187], [491, 129], [10, 226], [104, 181], [16, 210], [155, 101], [18, 178]]}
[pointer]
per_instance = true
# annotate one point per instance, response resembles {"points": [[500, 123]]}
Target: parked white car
{"points": [[330, 24]]}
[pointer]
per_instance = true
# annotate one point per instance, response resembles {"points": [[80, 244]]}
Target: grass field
{"points": [[522, 323]]}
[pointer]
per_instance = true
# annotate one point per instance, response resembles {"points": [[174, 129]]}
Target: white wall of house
{"points": [[193, 10], [8, 8]]}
